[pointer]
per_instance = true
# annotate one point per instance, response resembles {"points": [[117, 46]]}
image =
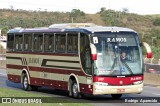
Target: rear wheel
{"points": [[25, 83], [116, 96]]}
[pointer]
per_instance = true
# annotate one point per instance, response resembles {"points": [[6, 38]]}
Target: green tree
{"points": [[156, 22]]}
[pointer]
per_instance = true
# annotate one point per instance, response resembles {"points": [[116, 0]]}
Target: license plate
{"points": [[120, 90]]}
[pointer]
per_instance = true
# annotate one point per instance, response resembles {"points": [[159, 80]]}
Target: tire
{"points": [[34, 88], [116, 96], [74, 90], [25, 83]]}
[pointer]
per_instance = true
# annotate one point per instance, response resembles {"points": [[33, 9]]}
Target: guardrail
{"points": [[152, 79]]}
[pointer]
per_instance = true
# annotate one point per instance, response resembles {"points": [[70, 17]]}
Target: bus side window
{"points": [[19, 42], [38, 42], [85, 54], [60, 42], [72, 43], [10, 41], [48, 42], [27, 42]]}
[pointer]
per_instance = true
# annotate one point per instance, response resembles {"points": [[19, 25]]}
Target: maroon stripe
{"points": [[55, 84], [15, 66], [35, 53], [49, 70], [49, 83], [14, 78], [85, 88], [58, 71]]}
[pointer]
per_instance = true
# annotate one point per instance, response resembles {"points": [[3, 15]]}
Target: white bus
{"points": [[81, 58]]}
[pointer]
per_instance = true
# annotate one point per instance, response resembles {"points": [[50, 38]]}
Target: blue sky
{"points": [[88, 6]]}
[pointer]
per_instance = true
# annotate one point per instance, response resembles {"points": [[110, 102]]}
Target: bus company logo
{"points": [[116, 39], [121, 82], [136, 78]]}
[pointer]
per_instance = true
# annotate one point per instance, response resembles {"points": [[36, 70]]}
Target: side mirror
{"points": [[148, 49], [93, 52]]}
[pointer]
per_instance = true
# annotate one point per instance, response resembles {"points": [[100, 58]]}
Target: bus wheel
{"points": [[74, 88], [34, 88], [25, 84], [116, 96]]}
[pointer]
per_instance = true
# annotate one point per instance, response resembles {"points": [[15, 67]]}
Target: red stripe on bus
{"points": [[58, 71], [35, 53], [59, 84], [15, 66], [49, 70], [51, 83], [14, 78], [118, 81], [85, 88]]}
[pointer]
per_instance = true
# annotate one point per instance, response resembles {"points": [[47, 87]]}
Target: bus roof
{"points": [[72, 27]]}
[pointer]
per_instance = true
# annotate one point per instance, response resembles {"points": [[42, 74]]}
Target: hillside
{"points": [[147, 26]]}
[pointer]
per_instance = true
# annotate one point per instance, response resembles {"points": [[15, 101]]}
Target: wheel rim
{"points": [[25, 82], [75, 89]]}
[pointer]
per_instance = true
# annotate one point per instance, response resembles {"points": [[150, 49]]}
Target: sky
{"points": [[142, 7]]}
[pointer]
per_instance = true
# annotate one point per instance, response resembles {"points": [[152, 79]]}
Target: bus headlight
{"points": [[101, 84], [137, 82]]}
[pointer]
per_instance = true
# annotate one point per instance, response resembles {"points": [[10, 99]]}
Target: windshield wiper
{"points": [[129, 69]]}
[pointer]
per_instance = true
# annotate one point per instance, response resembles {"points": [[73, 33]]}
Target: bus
{"points": [[81, 58]]}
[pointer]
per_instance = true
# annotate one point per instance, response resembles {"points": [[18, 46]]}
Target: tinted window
{"points": [[48, 42], [72, 43], [38, 42], [18, 42], [27, 42], [10, 41], [60, 42]]}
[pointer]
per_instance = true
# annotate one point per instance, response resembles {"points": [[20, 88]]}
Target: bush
{"points": [[156, 22]]}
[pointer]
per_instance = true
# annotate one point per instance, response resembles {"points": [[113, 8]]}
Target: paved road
{"points": [[101, 100]]}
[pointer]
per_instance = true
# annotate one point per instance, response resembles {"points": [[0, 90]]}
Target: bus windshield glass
{"points": [[117, 54]]}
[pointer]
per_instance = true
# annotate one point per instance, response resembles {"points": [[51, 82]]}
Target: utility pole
{"points": [[72, 19]]}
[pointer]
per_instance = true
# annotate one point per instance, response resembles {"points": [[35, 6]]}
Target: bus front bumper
{"points": [[107, 89]]}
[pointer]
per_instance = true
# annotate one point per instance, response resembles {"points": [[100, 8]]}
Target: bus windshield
{"points": [[117, 54]]}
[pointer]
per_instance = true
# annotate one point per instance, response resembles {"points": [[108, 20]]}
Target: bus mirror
{"points": [[148, 49], [93, 52]]}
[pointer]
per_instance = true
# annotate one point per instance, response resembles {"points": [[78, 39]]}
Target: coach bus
{"points": [[82, 58]]}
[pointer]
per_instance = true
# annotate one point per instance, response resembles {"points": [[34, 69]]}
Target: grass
{"points": [[6, 92]]}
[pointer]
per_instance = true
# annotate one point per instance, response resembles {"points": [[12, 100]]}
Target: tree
{"points": [[156, 22], [125, 10], [102, 9], [76, 14]]}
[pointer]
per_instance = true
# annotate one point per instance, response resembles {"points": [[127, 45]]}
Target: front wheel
{"points": [[116, 96], [74, 90]]}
